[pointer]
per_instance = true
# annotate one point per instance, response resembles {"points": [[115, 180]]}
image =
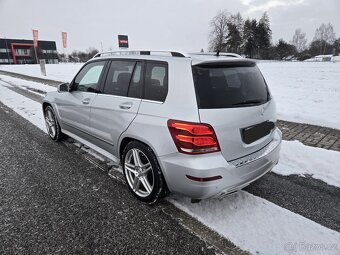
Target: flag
{"points": [[64, 37], [35, 37]]}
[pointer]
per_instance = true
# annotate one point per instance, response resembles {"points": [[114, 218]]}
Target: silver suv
{"points": [[202, 125]]}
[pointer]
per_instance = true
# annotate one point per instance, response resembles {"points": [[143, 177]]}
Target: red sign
{"points": [[35, 37], [64, 37], [123, 41]]}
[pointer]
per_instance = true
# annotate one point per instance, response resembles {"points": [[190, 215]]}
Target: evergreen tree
{"points": [[316, 46], [249, 38], [234, 39], [285, 49], [238, 21], [263, 36], [336, 46]]}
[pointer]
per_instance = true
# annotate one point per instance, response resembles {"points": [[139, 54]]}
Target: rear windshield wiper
{"points": [[255, 101]]}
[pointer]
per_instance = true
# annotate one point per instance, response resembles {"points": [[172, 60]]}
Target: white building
{"points": [[324, 58]]}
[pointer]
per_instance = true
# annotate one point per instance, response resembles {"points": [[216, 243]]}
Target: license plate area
{"points": [[253, 133]]}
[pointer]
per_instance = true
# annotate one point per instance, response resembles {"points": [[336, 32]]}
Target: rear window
{"points": [[229, 85]]}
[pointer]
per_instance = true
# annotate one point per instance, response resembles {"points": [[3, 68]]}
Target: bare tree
{"points": [[219, 31], [299, 40], [325, 34]]}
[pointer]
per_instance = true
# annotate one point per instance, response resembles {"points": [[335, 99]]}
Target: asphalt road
{"points": [[53, 201]]}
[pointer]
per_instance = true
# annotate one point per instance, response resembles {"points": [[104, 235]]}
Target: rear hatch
{"points": [[234, 99]]}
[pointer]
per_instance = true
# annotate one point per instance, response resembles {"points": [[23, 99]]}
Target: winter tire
{"points": [[142, 173], [52, 124]]}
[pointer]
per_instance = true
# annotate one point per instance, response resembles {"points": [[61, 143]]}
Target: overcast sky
{"points": [[154, 24]]}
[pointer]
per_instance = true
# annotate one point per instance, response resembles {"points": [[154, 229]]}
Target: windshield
{"points": [[229, 85]]}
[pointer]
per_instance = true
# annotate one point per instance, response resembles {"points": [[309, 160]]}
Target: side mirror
{"points": [[64, 87]]}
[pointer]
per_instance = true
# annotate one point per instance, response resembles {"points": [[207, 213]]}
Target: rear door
{"points": [[113, 110], [234, 99], [74, 106]]}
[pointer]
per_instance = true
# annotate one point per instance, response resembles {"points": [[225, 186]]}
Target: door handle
{"points": [[86, 100], [126, 105]]}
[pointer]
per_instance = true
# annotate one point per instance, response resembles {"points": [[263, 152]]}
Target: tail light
{"points": [[193, 138]]}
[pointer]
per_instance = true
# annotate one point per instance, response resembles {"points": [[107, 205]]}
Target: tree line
{"points": [[78, 56], [253, 38]]}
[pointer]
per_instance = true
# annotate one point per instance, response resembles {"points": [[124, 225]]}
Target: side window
{"points": [[156, 81], [118, 78], [136, 84], [88, 78]]}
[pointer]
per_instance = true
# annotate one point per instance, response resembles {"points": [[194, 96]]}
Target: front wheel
{"points": [[52, 125], [142, 173]]}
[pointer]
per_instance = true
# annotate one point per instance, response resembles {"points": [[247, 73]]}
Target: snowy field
{"points": [[304, 92], [60, 72], [239, 217]]}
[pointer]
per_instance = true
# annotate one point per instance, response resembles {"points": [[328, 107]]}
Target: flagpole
{"points": [[64, 41], [36, 55]]}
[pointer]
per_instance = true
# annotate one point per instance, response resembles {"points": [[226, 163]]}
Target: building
{"points": [[16, 51], [320, 58]]}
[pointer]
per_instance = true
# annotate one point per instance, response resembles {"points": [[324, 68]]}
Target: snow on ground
{"points": [[59, 72], [259, 226], [28, 85], [250, 222], [297, 158], [305, 92], [27, 108]]}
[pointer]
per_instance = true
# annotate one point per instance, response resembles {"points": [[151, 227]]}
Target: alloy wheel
{"points": [[139, 172], [51, 125]]}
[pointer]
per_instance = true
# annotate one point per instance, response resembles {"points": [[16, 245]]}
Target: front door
{"points": [[74, 106]]}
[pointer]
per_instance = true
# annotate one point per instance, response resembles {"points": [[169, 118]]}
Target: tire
{"points": [[52, 124], [142, 173]]}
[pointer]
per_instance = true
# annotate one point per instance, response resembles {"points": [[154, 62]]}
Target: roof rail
{"points": [[140, 52], [217, 54]]}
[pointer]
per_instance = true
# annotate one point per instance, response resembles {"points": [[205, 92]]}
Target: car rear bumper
{"points": [[235, 174]]}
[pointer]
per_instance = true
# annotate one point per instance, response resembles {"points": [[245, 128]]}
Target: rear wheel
{"points": [[142, 173], [52, 124]]}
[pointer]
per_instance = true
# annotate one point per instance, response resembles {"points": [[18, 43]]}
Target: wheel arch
{"points": [[124, 141], [127, 139], [44, 105]]}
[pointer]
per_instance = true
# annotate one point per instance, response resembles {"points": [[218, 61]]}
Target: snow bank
{"points": [[28, 85], [27, 108], [297, 158]]}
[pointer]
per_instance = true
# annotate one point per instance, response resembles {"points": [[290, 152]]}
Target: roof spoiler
{"points": [[217, 54]]}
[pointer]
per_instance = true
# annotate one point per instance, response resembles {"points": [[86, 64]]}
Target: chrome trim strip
{"points": [[152, 101], [256, 155], [71, 126]]}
